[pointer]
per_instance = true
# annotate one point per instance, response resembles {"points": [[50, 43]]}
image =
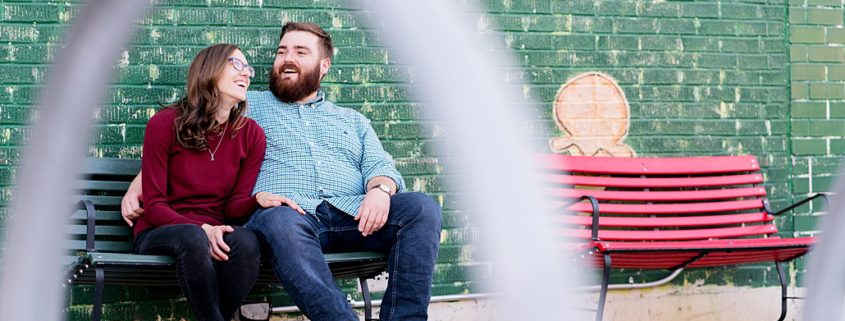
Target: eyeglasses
{"points": [[239, 65]]}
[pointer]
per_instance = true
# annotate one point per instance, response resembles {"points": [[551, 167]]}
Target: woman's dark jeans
{"points": [[214, 289]]}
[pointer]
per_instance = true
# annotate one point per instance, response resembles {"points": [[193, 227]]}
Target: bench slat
{"points": [[660, 196], [100, 230], [655, 182], [676, 209], [650, 166], [119, 187], [102, 216], [674, 235], [657, 222]]}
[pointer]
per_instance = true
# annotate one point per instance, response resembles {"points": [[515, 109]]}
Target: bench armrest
{"points": [[594, 203], [91, 224], [796, 204]]}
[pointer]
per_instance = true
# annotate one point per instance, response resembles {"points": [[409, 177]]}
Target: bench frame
{"points": [[718, 179], [99, 263]]}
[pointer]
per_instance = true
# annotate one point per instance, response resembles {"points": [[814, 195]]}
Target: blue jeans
{"points": [[296, 244], [214, 289]]}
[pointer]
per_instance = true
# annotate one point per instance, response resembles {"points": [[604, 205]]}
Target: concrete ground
{"points": [[666, 303]]}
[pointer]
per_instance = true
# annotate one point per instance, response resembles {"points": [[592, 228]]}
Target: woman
{"points": [[200, 160]]}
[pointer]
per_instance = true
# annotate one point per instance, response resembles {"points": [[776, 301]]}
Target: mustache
{"points": [[283, 67]]}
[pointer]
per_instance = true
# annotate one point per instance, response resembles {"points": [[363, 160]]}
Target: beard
{"points": [[290, 91]]}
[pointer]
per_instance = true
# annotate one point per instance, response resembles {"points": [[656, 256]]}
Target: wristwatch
{"points": [[383, 188]]}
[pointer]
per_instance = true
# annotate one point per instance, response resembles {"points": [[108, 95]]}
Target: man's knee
{"points": [[277, 222], [274, 217], [424, 208]]}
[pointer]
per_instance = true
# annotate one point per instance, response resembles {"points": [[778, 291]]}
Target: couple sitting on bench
{"points": [[319, 181]]}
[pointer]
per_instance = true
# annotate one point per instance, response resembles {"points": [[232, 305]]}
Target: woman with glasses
{"points": [[200, 160]]}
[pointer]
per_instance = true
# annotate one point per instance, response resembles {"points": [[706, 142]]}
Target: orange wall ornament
{"points": [[592, 112]]}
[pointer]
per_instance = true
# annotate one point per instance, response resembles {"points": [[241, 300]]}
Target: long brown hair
{"points": [[198, 107]]}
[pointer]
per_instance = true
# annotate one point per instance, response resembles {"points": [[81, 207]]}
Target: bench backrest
{"points": [[661, 199], [103, 182]]}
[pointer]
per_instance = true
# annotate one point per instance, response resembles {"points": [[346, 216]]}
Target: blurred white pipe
{"points": [[462, 77], [31, 276]]}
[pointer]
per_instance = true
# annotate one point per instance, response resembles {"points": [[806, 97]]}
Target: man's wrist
{"points": [[383, 188]]}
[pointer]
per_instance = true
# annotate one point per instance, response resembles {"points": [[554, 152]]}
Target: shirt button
{"points": [[307, 123], [319, 162]]}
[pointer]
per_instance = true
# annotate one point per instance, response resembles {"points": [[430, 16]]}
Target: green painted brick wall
{"points": [[762, 77]]}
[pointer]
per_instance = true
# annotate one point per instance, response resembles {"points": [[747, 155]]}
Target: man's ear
{"points": [[325, 63]]}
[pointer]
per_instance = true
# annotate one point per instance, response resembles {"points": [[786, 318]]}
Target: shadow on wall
{"points": [[592, 112]]}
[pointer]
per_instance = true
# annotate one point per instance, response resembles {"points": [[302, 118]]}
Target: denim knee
{"points": [[244, 243], [278, 223], [427, 210], [191, 244]]}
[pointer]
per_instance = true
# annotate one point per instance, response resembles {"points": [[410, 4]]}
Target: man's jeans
{"points": [[296, 242], [213, 289]]}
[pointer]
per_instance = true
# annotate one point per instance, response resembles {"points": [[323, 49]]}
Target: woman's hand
{"points": [[215, 233], [266, 200], [130, 206]]}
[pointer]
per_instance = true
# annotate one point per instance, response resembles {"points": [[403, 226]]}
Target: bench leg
{"points": [[605, 278], [782, 278], [368, 300], [97, 311]]}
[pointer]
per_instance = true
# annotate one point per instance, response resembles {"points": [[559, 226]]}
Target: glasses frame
{"points": [[239, 65]]}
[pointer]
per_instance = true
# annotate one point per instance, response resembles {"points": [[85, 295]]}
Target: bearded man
{"points": [[329, 161]]}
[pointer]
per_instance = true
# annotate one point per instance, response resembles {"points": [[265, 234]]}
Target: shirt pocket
{"points": [[341, 140]]}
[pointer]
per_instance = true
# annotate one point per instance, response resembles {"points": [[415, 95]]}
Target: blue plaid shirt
{"points": [[318, 151]]}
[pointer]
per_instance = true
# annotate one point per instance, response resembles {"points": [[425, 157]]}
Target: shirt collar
{"points": [[314, 103]]}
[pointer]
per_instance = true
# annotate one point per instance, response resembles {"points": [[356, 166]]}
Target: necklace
{"points": [[222, 135]]}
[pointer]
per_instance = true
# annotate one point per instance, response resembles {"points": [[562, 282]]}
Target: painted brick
{"points": [[824, 16], [835, 35], [827, 90], [836, 72], [809, 110], [797, 15], [700, 10], [809, 146], [808, 72], [800, 91], [807, 34], [833, 3], [715, 27], [826, 54], [837, 110], [798, 53]]}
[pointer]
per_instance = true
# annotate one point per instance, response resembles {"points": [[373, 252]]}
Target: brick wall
{"points": [[702, 78]]}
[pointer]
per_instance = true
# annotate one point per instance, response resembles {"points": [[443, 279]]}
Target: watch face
{"points": [[384, 188]]}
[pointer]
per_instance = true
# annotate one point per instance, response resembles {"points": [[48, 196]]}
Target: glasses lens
{"points": [[237, 63]]}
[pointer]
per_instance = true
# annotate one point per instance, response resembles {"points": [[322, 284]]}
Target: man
{"points": [[328, 160]]}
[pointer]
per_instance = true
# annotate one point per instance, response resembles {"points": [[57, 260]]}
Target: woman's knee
{"points": [[243, 242], [191, 243]]}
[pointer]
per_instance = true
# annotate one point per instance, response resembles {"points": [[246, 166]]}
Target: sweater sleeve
{"points": [[241, 202], [159, 138]]}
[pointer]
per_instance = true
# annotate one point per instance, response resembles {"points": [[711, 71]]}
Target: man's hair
{"points": [[325, 39]]}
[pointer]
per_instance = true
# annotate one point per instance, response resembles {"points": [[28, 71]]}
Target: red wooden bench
{"points": [[669, 213]]}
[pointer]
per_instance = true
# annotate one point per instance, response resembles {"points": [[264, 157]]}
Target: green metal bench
{"points": [[100, 242]]}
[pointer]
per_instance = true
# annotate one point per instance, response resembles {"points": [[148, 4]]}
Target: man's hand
{"points": [[373, 212], [266, 199], [215, 233], [130, 206]]}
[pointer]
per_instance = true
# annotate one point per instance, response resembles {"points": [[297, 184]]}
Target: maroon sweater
{"points": [[182, 186]]}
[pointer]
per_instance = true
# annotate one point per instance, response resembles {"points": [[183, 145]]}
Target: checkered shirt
{"points": [[318, 151]]}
